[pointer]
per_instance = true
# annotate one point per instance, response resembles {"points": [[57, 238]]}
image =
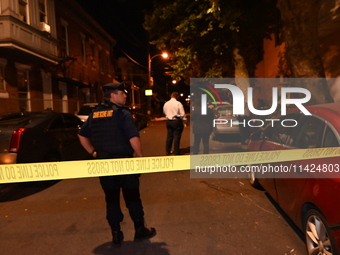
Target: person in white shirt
{"points": [[175, 115]]}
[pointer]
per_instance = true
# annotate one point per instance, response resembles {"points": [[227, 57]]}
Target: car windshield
{"points": [[225, 110]]}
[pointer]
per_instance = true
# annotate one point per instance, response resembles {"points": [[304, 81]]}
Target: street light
{"points": [[164, 55], [150, 79]]}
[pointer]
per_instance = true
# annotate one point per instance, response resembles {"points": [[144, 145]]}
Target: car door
{"points": [[278, 136], [55, 134], [308, 135], [72, 149]]}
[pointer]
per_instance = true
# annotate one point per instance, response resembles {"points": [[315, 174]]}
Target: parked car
{"points": [[85, 111], [141, 120], [310, 198], [226, 123], [137, 114], [40, 137]]}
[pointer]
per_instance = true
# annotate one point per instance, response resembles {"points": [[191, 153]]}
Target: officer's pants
{"points": [[130, 188]]}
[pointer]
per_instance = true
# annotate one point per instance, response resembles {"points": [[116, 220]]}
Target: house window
{"points": [[2, 79], [23, 10], [92, 57], [92, 50], [42, 11], [100, 60], [108, 63], [83, 48], [22, 77], [64, 42]]}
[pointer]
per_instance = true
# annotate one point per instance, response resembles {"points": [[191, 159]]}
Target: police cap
{"points": [[114, 86]]}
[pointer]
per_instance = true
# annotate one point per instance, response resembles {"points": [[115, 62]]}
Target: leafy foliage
{"points": [[202, 34]]}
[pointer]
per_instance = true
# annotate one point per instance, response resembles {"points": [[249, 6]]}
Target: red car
{"points": [[310, 196]]}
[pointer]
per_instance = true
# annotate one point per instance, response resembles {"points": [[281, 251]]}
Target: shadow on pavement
{"points": [[130, 247], [185, 151], [15, 191]]}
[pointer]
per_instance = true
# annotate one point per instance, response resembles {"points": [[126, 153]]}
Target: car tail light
{"points": [[15, 140]]}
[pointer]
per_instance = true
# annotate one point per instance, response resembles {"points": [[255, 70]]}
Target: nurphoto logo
{"points": [[280, 99]]}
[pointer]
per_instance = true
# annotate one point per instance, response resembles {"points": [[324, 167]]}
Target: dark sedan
{"points": [[310, 196], [40, 137]]}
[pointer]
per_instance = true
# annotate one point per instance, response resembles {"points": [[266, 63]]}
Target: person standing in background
{"points": [[175, 116], [202, 127]]}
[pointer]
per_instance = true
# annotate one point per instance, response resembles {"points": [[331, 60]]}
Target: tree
{"points": [[300, 29], [210, 38]]}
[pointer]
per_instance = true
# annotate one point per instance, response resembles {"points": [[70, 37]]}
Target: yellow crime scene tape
{"points": [[27, 172]]}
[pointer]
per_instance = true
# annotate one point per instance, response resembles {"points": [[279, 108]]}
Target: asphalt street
{"points": [[191, 216]]}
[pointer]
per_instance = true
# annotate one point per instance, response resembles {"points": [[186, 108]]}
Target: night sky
{"points": [[123, 20]]}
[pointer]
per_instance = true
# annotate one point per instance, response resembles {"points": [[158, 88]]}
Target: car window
{"points": [[57, 124], [281, 133], [72, 121], [330, 139], [310, 133]]}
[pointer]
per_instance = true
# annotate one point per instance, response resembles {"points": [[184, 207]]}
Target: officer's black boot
{"points": [[117, 236], [143, 232]]}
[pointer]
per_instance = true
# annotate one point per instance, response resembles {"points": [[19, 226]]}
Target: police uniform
{"points": [[110, 127]]}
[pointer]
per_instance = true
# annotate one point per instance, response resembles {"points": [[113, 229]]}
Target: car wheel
{"points": [[318, 236], [254, 181]]}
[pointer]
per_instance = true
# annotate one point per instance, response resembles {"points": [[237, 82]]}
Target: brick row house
{"points": [[53, 55]]}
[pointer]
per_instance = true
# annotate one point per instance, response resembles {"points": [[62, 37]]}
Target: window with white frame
{"points": [[23, 90], [23, 5], [64, 41], [42, 11]]}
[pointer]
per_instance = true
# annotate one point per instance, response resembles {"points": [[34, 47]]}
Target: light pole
{"points": [[164, 55], [150, 79]]}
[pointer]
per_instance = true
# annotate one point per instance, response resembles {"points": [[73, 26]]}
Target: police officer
{"points": [[110, 132]]}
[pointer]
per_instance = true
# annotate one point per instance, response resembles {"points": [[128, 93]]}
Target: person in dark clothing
{"points": [[110, 132], [202, 128]]}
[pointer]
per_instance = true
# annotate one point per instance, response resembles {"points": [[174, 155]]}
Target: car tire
{"points": [[318, 237], [254, 181]]}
